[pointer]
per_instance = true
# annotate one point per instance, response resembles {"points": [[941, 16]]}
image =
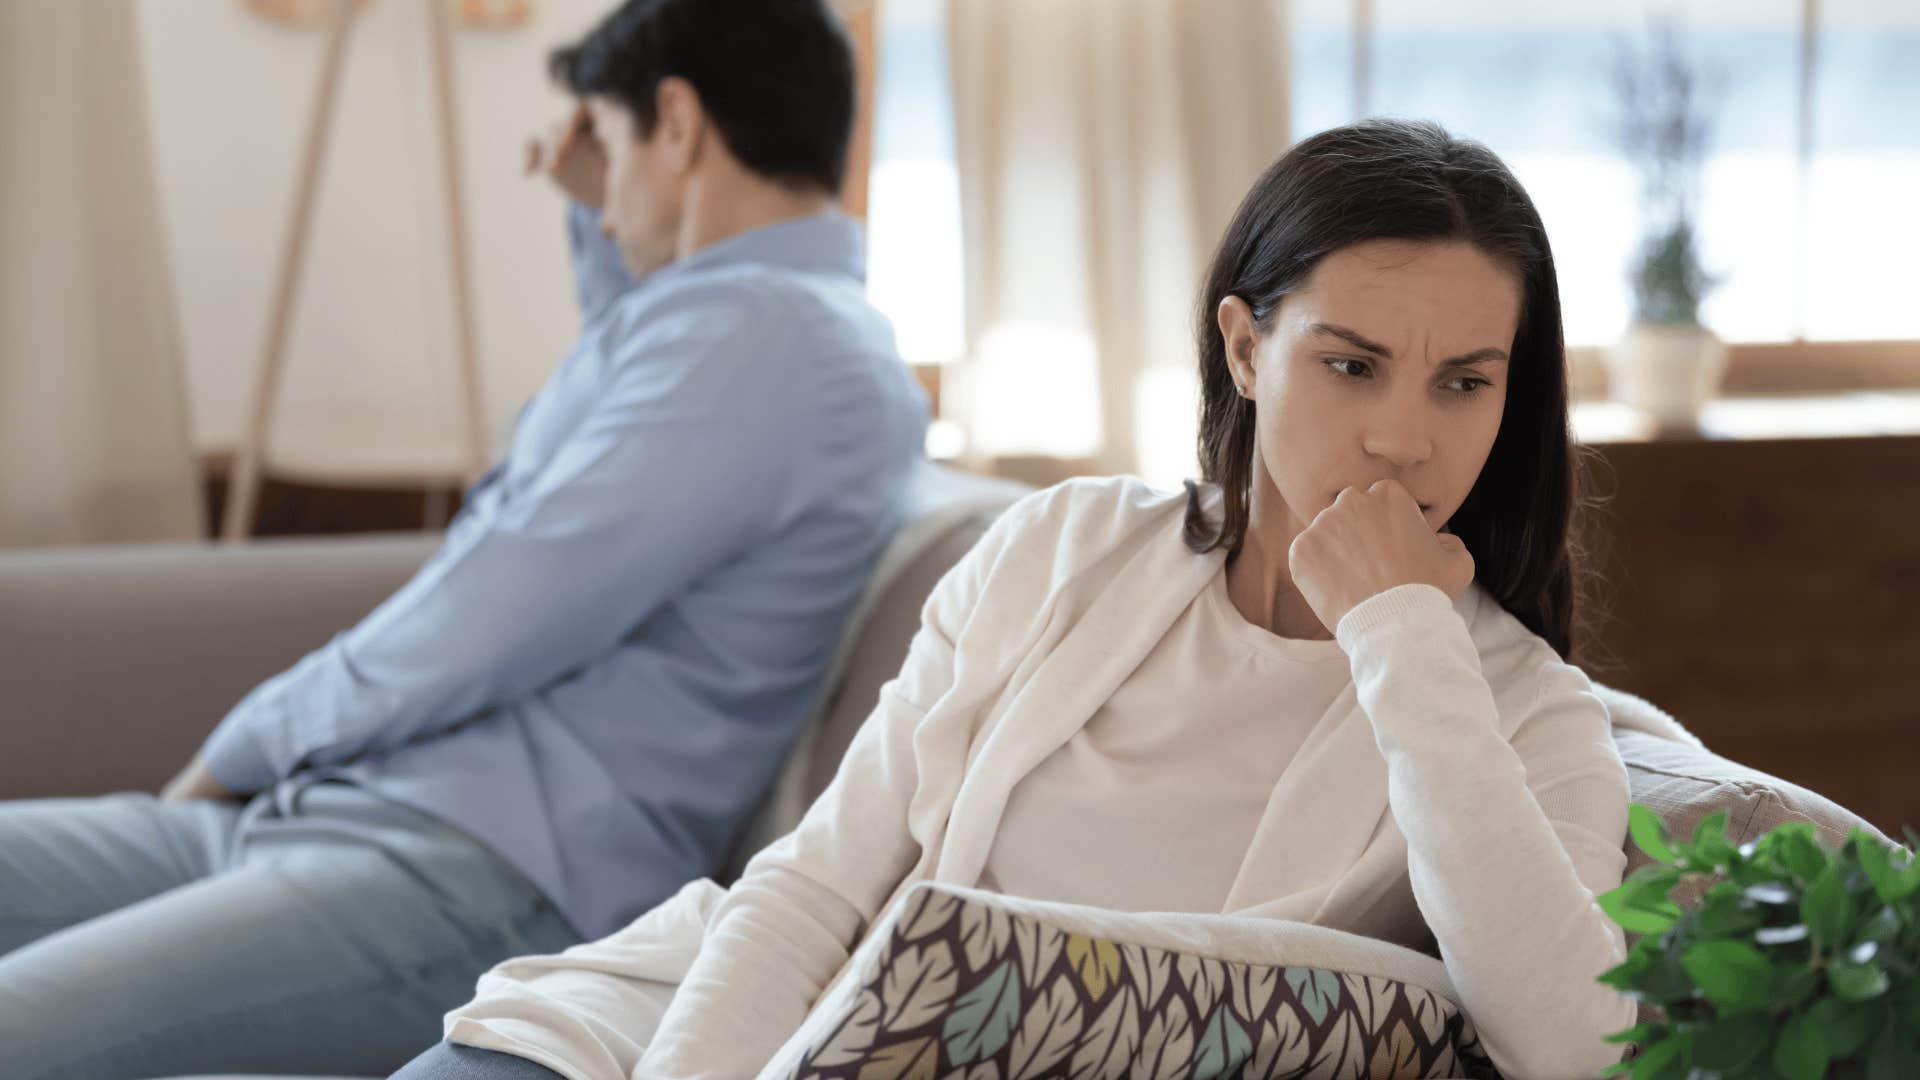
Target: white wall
{"points": [[370, 361]]}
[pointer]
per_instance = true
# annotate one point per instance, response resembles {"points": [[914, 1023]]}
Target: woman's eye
{"points": [[1336, 365], [1467, 384]]}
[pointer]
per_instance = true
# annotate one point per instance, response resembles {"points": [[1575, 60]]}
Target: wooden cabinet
{"points": [[1767, 593]]}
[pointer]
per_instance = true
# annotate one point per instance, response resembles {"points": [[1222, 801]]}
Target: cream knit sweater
{"points": [[1463, 792]]}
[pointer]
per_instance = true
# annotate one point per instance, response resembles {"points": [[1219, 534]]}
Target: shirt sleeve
{"points": [[650, 491], [1509, 841], [599, 273]]}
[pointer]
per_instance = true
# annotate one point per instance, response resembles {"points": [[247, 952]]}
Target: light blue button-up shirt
{"points": [[601, 670]]}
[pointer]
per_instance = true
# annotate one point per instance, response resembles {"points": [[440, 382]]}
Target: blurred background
{"points": [[1043, 181]]}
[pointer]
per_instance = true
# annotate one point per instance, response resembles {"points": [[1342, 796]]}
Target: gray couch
{"points": [[118, 661]]}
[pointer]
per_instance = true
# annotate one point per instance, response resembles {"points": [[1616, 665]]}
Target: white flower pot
{"points": [[1669, 373]]}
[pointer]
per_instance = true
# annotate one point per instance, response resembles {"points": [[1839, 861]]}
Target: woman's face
{"points": [[1390, 364]]}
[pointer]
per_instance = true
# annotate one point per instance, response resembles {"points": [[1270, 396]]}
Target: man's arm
{"points": [[675, 470], [570, 155], [599, 274]]}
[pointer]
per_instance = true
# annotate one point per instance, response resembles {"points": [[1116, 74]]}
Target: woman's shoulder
{"points": [[1064, 533], [1090, 512], [1520, 666]]}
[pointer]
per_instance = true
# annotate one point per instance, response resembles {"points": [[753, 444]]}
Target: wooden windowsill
{"points": [[1806, 416], [1797, 368]]}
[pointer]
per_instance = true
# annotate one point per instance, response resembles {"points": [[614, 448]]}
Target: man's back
{"points": [[575, 705], [600, 671]]}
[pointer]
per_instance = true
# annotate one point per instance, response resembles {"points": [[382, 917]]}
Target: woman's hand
{"points": [[1368, 542]]}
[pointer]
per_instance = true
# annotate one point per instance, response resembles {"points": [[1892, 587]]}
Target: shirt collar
{"points": [[824, 243]]}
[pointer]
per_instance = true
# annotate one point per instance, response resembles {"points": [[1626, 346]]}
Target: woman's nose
{"points": [[1399, 433]]}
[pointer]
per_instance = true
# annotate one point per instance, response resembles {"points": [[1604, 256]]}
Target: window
{"points": [[913, 197], [1804, 214]]}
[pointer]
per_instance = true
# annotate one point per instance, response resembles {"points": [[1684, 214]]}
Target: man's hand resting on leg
{"points": [[195, 782]]}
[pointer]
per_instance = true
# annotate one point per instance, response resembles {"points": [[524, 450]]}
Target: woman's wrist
{"points": [[1387, 606]]}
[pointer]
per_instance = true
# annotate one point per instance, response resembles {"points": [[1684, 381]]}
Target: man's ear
{"points": [[680, 124]]}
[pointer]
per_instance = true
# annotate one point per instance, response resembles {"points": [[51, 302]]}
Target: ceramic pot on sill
{"points": [[1667, 373]]}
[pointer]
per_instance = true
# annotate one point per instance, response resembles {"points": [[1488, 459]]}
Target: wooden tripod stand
{"points": [[243, 490]]}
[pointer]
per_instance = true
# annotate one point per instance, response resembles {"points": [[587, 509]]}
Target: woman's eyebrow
{"points": [[1359, 341]]}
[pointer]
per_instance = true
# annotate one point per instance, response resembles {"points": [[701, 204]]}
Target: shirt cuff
{"points": [[235, 757], [1385, 607]]}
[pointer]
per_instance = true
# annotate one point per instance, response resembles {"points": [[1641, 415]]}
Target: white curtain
{"points": [[94, 443], [1102, 147]]}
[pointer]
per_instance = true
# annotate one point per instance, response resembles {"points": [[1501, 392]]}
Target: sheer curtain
{"points": [[1102, 146], [94, 443]]}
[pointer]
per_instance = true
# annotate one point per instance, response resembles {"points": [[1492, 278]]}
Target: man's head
{"points": [[682, 91]]}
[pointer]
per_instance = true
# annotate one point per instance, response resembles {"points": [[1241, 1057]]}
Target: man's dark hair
{"points": [[776, 76], [1406, 180]]}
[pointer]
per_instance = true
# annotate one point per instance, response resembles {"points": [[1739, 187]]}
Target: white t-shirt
{"points": [[1173, 772]]}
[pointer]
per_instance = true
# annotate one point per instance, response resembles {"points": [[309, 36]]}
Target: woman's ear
{"points": [[1236, 329]]}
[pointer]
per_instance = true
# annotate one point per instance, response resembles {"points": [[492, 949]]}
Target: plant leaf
{"points": [[1801, 1052], [1661, 1057], [1709, 847], [1732, 1044], [1640, 905], [1650, 833], [1848, 1027], [1856, 982], [1825, 908], [1638, 1033], [1734, 974], [1882, 926], [1893, 1056], [1800, 852], [1793, 984], [1878, 864], [1726, 914], [1665, 981]]}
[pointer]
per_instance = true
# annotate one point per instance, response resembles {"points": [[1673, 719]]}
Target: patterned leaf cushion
{"points": [[977, 986]]}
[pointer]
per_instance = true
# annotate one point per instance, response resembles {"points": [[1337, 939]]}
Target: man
{"points": [[576, 704]]}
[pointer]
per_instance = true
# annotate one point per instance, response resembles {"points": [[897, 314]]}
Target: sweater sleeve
{"points": [[789, 924], [1509, 840]]}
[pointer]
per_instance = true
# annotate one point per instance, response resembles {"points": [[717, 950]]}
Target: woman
{"points": [[1329, 686]]}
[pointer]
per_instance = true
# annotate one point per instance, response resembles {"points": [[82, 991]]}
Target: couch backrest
{"points": [[1683, 784], [949, 512]]}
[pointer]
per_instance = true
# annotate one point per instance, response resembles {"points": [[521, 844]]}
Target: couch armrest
{"points": [[116, 662]]}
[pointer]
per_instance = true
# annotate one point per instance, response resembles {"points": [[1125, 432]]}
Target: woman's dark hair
{"points": [[1406, 180], [776, 76]]}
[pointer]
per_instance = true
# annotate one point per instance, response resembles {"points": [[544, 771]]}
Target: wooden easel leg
{"points": [[466, 354], [243, 488]]}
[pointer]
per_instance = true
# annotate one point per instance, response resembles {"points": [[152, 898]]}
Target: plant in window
{"points": [[1799, 961], [1668, 365]]}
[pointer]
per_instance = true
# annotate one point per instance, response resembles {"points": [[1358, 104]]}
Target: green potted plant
{"points": [[1667, 364], [1797, 961]]}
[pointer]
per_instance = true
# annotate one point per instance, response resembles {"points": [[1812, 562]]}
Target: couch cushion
{"points": [[1683, 784], [955, 982]]}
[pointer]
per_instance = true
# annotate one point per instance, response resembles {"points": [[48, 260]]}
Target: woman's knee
{"points": [[452, 1061]]}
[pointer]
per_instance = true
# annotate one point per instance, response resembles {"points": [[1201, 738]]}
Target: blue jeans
{"points": [[317, 929], [451, 1061]]}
